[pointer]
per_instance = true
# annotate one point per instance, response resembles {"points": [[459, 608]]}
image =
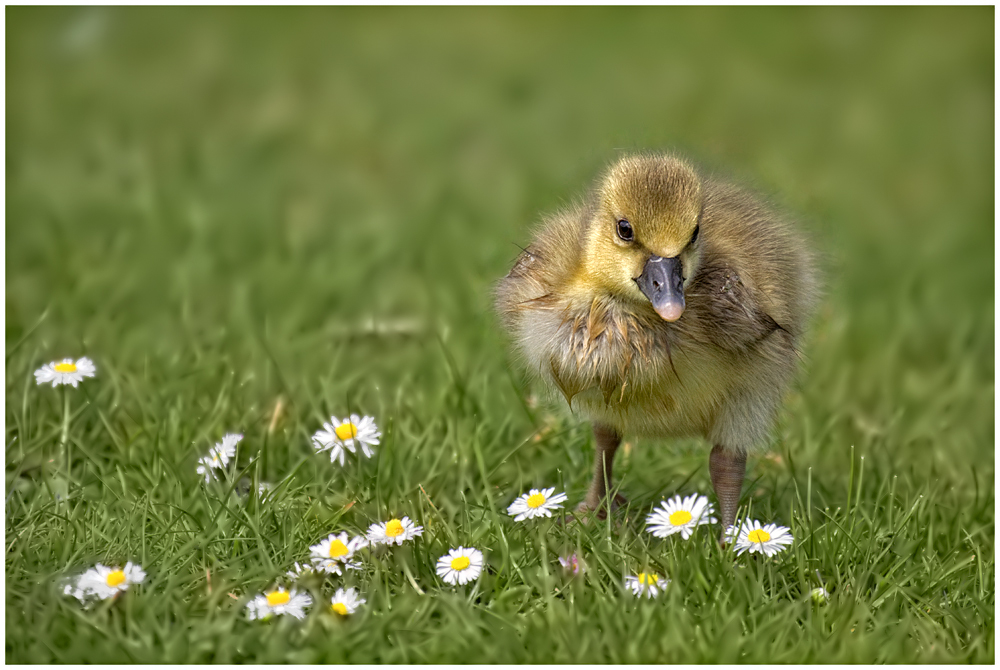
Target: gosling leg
{"points": [[607, 440], [727, 469]]}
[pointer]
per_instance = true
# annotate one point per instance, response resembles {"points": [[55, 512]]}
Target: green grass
{"points": [[231, 209]]}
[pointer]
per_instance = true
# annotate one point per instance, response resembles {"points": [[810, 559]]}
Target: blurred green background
{"points": [[315, 203]]}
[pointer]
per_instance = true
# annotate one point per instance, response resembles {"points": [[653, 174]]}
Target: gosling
{"points": [[666, 304]]}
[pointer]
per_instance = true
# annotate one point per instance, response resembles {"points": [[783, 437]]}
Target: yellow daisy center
{"points": [[460, 563], [278, 598], [340, 608], [680, 517], [65, 367], [337, 549], [760, 535], [115, 578], [648, 578], [536, 501], [394, 528], [346, 431]]}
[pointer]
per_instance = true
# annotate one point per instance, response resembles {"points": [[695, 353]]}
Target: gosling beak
{"points": [[661, 281]]}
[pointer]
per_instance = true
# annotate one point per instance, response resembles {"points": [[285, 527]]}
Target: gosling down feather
{"points": [[666, 304]]}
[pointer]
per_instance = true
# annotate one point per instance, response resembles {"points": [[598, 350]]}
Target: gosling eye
{"points": [[625, 230], [694, 236]]}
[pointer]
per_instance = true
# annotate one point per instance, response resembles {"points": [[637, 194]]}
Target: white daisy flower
{"points": [[572, 564], [346, 601], [648, 583], [65, 371], [205, 468], [338, 435], [218, 456], [394, 531], [322, 442], [263, 489], [104, 582], [680, 516], [768, 539], [227, 448], [72, 590], [336, 551], [535, 503], [301, 571], [460, 566], [279, 601]]}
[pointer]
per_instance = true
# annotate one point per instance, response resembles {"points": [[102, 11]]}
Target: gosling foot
{"points": [[584, 509]]}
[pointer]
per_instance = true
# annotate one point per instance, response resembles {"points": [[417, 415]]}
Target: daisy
{"points": [[279, 601], [227, 448], [535, 503], [680, 516], [460, 566], [572, 564], [336, 551], [71, 589], [205, 468], [338, 435], [768, 539], [65, 371], [104, 582], [394, 531], [301, 571], [649, 583], [346, 601], [218, 455]]}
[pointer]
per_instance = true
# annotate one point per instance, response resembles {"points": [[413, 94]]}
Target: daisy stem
{"points": [[543, 551], [64, 447], [65, 424]]}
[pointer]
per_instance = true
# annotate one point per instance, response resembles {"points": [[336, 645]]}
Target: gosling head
{"points": [[642, 241]]}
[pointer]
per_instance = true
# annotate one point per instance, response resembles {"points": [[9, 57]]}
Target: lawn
{"points": [[252, 220]]}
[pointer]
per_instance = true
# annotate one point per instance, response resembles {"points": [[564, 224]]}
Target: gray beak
{"points": [[662, 282]]}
